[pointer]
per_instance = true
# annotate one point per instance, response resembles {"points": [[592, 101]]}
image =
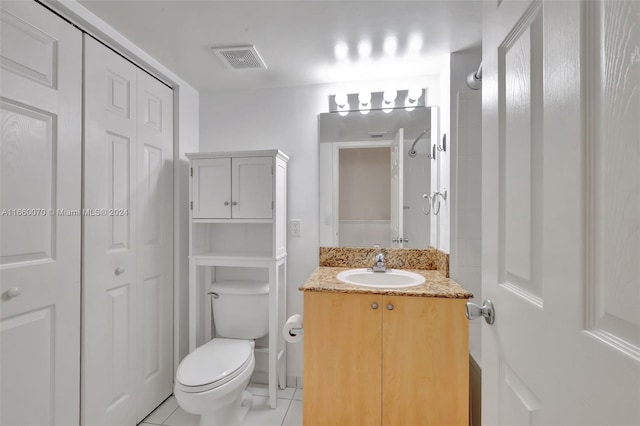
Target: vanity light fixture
{"points": [[387, 101]]}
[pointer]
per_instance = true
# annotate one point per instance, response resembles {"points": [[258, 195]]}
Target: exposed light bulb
{"points": [[415, 43], [341, 50], [414, 93], [390, 95], [364, 49], [343, 113], [390, 45], [364, 98], [364, 110], [341, 99], [409, 104], [387, 110]]}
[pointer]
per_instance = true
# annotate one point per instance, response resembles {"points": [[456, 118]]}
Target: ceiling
{"points": [[302, 42]]}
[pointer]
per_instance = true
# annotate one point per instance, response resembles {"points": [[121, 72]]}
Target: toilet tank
{"points": [[241, 309]]}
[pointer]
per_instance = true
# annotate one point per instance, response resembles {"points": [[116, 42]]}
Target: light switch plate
{"points": [[295, 227]]}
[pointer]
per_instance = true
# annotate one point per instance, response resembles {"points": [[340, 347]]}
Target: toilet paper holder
{"points": [[296, 331]]}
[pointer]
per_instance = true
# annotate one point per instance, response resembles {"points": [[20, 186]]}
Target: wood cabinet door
{"points": [[252, 188], [342, 363], [211, 188], [425, 364]]}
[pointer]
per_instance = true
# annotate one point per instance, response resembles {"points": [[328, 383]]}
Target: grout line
{"points": [[286, 413], [175, 409]]}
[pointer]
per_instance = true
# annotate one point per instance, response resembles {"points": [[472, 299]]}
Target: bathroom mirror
{"points": [[376, 174]]}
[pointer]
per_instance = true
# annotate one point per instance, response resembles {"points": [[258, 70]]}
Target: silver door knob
{"points": [[473, 311], [233, 203], [390, 307], [119, 271], [395, 240], [226, 203], [14, 292], [374, 306]]}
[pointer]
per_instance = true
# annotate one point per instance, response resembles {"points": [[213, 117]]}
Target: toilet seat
{"points": [[214, 364]]}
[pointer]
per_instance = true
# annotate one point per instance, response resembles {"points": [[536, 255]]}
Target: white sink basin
{"points": [[393, 278]]}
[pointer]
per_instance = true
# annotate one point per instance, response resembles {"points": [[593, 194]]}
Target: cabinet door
{"points": [[342, 363], [252, 188], [425, 361], [211, 188]]}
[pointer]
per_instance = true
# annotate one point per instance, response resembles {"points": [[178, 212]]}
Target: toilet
{"points": [[211, 380]]}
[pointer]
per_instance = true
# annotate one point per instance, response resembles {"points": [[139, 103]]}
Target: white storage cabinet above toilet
{"points": [[238, 233]]}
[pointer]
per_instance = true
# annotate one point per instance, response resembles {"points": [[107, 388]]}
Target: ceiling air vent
{"points": [[240, 57]]}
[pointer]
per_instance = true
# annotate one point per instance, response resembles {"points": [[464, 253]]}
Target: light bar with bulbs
{"points": [[387, 101]]}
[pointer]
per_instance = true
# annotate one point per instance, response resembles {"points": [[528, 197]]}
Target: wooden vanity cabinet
{"points": [[385, 360]]}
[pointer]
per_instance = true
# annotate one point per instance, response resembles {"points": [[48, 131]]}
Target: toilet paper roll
{"points": [[294, 321]]}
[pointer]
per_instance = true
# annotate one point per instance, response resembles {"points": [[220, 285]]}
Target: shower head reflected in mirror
{"points": [[412, 150]]}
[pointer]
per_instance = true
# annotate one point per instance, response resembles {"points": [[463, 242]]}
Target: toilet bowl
{"points": [[211, 381]]}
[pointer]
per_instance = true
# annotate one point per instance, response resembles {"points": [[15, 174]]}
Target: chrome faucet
{"points": [[378, 265]]}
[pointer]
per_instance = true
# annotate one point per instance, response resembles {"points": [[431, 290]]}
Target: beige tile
{"points": [[162, 413]]}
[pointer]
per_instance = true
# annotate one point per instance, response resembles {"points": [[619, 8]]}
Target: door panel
{"points": [[155, 244], [252, 188], [211, 188], [110, 238], [614, 282], [40, 172]]}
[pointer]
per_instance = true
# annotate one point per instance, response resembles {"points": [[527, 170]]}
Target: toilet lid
{"points": [[214, 361]]}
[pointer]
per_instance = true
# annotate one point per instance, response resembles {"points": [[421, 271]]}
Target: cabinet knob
{"points": [[226, 203], [13, 292], [119, 271], [233, 203], [390, 307], [374, 306]]}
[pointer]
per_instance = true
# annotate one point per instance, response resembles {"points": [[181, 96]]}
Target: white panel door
{"points": [[155, 244], [561, 212], [252, 188], [211, 188], [40, 172], [110, 239], [397, 190]]}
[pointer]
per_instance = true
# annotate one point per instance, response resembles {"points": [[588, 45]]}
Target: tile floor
{"points": [[288, 412]]}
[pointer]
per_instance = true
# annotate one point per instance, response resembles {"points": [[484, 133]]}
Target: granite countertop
{"points": [[324, 279]]}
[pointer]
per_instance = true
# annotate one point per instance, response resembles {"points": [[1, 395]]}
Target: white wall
{"points": [[287, 119], [466, 176], [186, 138]]}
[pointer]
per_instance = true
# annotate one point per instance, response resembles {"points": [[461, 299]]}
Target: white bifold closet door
{"points": [[128, 240], [40, 172]]}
